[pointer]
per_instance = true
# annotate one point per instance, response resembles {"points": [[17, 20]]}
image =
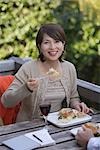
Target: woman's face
{"points": [[51, 49]]}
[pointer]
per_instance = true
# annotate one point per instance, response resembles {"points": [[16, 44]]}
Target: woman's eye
{"points": [[46, 42], [57, 41]]}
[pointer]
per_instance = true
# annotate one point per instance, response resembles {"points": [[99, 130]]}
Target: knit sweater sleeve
{"points": [[18, 90], [74, 95]]}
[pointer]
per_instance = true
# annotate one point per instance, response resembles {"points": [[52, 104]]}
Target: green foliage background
{"points": [[21, 19]]}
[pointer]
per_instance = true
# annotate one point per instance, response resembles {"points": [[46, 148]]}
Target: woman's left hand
{"points": [[82, 107]]}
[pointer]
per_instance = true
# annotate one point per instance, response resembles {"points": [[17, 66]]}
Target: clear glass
{"points": [[45, 109]]}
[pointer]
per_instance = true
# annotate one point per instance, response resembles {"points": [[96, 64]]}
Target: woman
{"points": [[86, 139], [27, 87]]}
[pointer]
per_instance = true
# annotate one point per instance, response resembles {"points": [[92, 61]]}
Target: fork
{"points": [[42, 77]]}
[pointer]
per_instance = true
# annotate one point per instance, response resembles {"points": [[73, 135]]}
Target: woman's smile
{"points": [[53, 53]]}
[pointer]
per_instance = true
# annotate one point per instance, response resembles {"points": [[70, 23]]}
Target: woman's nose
{"points": [[52, 45]]}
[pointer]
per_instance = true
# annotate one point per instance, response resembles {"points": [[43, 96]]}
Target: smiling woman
{"points": [[28, 86]]}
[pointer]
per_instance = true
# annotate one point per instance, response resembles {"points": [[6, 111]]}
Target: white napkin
{"points": [[42, 135], [75, 130]]}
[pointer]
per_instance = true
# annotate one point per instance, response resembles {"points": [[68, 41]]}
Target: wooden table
{"points": [[62, 136]]}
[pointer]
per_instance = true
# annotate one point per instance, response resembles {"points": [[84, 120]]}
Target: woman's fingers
{"points": [[91, 110], [84, 108], [32, 84]]}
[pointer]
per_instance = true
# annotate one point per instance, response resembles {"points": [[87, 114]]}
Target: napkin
{"points": [[43, 135], [21, 143], [75, 130]]}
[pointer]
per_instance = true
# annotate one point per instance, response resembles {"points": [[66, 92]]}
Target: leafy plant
{"points": [[81, 21], [21, 19]]}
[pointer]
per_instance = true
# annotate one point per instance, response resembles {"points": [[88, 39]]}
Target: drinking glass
{"points": [[45, 109]]}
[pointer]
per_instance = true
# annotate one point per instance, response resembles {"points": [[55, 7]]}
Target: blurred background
{"points": [[21, 19]]}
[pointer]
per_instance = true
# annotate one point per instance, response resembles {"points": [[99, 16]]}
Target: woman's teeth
{"points": [[53, 53]]}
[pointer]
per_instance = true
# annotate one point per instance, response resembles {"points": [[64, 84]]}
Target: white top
{"points": [[55, 94]]}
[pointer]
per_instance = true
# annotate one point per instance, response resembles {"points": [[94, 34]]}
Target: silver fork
{"points": [[42, 77]]}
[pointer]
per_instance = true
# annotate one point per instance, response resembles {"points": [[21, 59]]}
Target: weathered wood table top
{"points": [[64, 139]]}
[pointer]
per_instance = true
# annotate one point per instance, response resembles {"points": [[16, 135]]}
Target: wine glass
{"points": [[45, 109]]}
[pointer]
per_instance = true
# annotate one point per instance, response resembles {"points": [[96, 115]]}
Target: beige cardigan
{"points": [[18, 91]]}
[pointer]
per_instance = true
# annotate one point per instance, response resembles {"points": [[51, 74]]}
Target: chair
{"points": [[7, 115]]}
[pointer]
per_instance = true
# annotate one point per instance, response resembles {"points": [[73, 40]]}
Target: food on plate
{"points": [[94, 127], [69, 113], [53, 72], [91, 126]]}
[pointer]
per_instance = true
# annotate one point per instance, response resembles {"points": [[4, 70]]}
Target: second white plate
{"points": [[74, 130], [53, 118]]}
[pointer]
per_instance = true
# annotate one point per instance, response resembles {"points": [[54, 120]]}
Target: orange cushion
{"points": [[8, 115]]}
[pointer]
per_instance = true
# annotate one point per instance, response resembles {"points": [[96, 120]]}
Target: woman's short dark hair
{"points": [[55, 31]]}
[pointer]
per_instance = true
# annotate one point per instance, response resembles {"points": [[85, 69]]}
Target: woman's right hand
{"points": [[32, 84]]}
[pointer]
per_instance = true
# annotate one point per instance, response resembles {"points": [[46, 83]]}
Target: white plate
{"points": [[74, 131], [53, 118]]}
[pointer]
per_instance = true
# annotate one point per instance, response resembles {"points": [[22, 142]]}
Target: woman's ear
{"points": [[64, 43], [39, 46]]}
